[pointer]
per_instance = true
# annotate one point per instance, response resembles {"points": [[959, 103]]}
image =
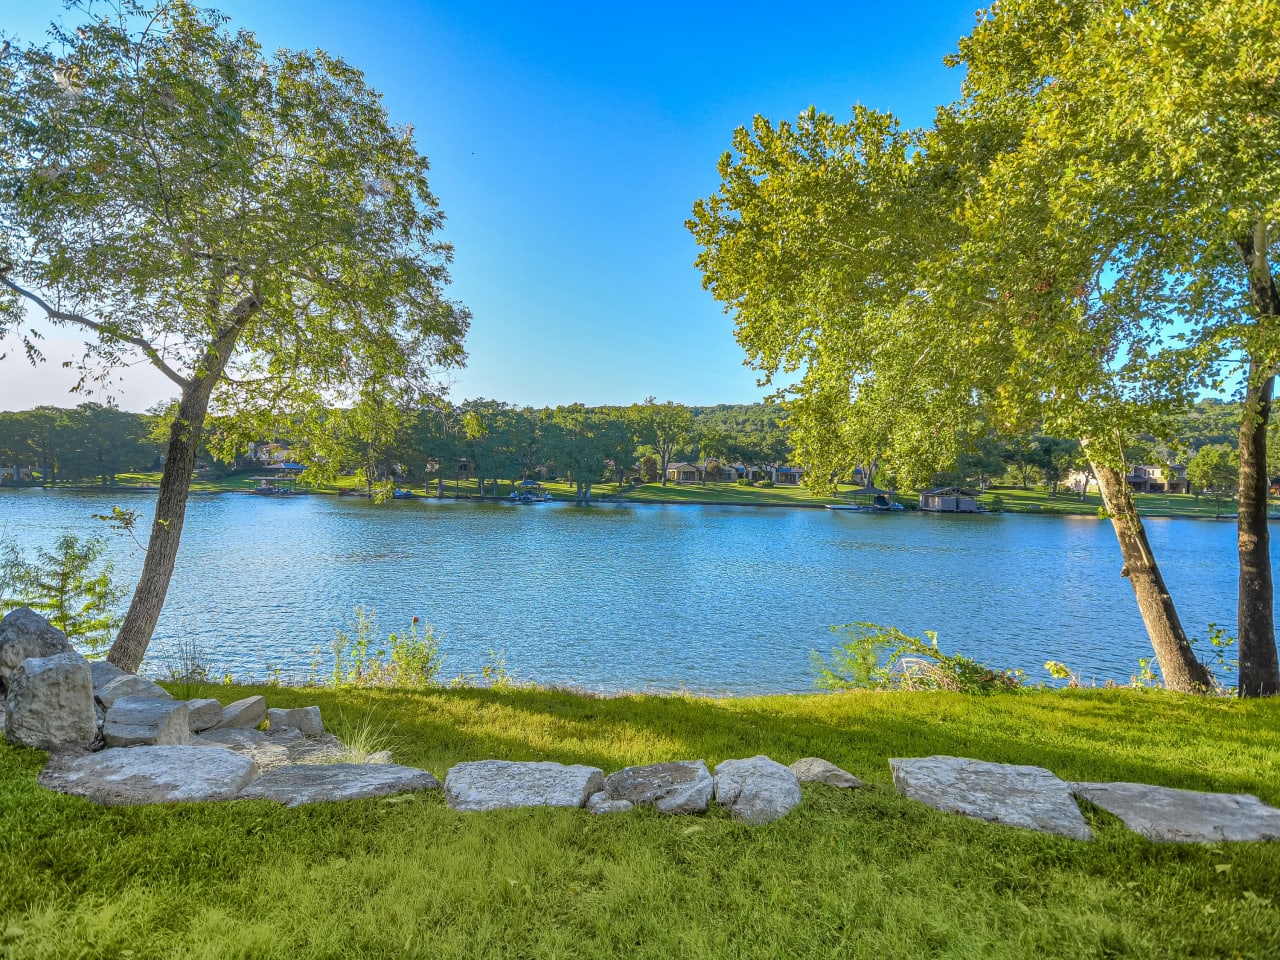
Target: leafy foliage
{"points": [[411, 658], [875, 657], [71, 585]]}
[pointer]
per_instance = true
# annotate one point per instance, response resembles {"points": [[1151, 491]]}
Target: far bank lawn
{"points": [[861, 874], [1040, 500]]}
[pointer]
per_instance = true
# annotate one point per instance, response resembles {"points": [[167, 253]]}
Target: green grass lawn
{"points": [[848, 874], [1039, 500]]}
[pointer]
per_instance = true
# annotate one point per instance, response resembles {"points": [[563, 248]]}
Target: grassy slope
{"points": [[856, 874]]}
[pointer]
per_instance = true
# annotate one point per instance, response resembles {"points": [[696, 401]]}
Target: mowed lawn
{"points": [[848, 874]]}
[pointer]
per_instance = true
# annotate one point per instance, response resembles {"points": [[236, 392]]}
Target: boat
{"points": [[529, 491], [271, 487]]}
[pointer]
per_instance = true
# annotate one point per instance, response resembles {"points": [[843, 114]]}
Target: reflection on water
{"points": [[722, 599]]}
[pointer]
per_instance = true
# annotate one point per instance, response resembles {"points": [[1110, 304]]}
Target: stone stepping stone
{"points": [[506, 785], [1167, 815], [146, 721], [167, 774], [756, 790], [817, 770], [678, 787], [1016, 796], [301, 783]]}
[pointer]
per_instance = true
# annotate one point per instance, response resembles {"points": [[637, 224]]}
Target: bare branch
{"points": [[145, 346]]}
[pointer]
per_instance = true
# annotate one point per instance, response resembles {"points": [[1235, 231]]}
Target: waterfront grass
{"points": [[1040, 500], [851, 874]]}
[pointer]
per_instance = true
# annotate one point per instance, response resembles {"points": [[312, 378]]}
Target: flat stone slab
{"points": [[168, 774], [129, 685], [104, 671], [678, 787], [1016, 796], [146, 721], [249, 712], [254, 744], [600, 804], [1166, 815], [203, 713], [301, 783], [817, 770], [506, 785], [756, 790]]}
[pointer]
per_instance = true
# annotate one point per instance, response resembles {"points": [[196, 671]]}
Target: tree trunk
{"points": [[1255, 617], [131, 642], [1178, 663]]}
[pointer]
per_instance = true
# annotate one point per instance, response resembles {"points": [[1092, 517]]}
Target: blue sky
{"points": [[568, 142]]}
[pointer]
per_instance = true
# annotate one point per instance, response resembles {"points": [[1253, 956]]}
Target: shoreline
{"points": [[609, 500]]}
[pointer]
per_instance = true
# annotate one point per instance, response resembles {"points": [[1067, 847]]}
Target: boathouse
{"points": [[949, 500]]}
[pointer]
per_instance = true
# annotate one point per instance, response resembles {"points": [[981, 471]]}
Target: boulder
{"points": [[1017, 796], [682, 786], [249, 712], [1166, 815], [165, 774], [756, 790], [104, 672], [504, 785], [146, 721], [599, 803], [251, 743], [23, 634], [49, 703], [297, 784], [129, 685], [304, 719], [203, 714], [817, 770]]}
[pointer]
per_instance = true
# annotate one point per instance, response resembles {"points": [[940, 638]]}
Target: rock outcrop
{"points": [[249, 712], [146, 721], [129, 685], [306, 720], [817, 770]]}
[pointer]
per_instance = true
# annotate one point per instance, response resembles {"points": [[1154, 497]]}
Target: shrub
{"points": [[71, 586], [744, 482], [764, 483], [409, 659], [874, 657]]}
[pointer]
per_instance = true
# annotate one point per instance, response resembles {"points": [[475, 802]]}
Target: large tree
{"points": [[1148, 161], [251, 225], [848, 254]]}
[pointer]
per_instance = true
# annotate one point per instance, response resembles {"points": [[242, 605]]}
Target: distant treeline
{"points": [[488, 440]]}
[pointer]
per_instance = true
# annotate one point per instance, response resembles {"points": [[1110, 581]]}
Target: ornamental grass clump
{"points": [[408, 659]]}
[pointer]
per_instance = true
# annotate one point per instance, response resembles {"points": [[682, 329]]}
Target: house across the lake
{"points": [[1150, 478], [949, 500]]}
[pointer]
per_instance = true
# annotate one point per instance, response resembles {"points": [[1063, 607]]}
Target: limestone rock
{"points": [[163, 774], [682, 786], [1167, 815], [251, 743], [146, 721], [203, 713], [817, 770], [1018, 796], [756, 790], [297, 784], [304, 719], [23, 634], [504, 784], [599, 803], [49, 703], [104, 671], [129, 685], [249, 712]]}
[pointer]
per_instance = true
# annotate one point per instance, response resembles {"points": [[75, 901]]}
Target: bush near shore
{"points": [[860, 873]]}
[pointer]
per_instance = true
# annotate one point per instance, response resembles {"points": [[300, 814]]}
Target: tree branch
{"points": [[146, 347]]}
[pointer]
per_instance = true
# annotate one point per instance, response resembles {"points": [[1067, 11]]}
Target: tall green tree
{"points": [[251, 225], [1215, 470], [665, 427]]}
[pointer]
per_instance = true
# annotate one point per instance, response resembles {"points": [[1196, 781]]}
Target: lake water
{"points": [[622, 597]]}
